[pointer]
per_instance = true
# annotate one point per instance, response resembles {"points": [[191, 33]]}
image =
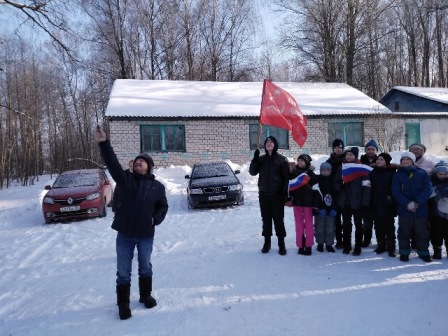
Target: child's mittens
{"points": [[322, 213], [332, 213], [412, 206]]}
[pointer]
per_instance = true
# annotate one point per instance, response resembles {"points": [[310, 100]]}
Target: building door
{"points": [[412, 134]]}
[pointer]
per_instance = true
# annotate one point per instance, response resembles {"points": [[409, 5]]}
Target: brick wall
{"points": [[220, 139]]}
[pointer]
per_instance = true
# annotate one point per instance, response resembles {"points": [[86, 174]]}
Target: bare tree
{"points": [[48, 16]]}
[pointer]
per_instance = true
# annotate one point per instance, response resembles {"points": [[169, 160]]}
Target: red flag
{"points": [[280, 109]]}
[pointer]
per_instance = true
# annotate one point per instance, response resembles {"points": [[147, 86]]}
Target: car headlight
{"points": [[235, 187], [48, 200], [92, 196], [196, 191]]}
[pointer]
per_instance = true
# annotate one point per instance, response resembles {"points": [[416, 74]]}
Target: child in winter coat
{"points": [[351, 197], [411, 188], [325, 219], [421, 161], [336, 158], [382, 204], [439, 209], [303, 202], [369, 159]]}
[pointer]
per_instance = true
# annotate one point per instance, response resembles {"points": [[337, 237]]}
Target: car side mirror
{"points": [[47, 187], [187, 176], [237, 171]]}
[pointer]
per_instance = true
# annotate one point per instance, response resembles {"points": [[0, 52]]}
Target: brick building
{"points": [[181, 122]]}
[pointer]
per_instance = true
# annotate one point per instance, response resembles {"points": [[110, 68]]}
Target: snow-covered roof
{"points": [[436, 94], [165, 98]]}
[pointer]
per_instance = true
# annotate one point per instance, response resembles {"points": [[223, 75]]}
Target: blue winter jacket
{"points": [[142, 200], [411, 184]]}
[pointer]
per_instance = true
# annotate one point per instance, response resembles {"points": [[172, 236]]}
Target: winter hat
{"points": [[386, 158], [354, 150], [325, 165], [409, 155], [422, 146], [338, 143], [147, 158], [371, 143], [274, 140], [306, 158], [440, 166]]}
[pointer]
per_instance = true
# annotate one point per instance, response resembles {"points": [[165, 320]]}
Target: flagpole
{"points": [[259, 119]]}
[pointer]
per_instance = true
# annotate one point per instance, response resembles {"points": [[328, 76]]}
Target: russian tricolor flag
{"points": [[351, 171], [298, 182]]}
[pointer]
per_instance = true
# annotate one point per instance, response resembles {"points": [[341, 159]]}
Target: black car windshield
{"points": [[76, 180], [211, 170]]}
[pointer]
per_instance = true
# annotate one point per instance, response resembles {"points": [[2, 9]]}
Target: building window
{"points": [[280, 134], [352, 133], [162, 138]]}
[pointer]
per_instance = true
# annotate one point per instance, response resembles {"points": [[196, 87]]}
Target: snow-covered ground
{"points": [[210, 277]]}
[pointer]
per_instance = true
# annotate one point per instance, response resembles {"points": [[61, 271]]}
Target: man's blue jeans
{"points": [[125, 253]]}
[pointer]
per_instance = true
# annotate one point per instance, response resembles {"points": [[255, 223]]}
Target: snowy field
{"points": [[210, 277]]}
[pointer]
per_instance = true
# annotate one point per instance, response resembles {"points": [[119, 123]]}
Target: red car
{"points": [[82, 193]]}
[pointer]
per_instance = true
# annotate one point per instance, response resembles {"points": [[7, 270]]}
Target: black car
{"points": [[213, 184]]}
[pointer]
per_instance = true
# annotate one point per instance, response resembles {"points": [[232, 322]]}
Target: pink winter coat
{"points": [[425, 164]]}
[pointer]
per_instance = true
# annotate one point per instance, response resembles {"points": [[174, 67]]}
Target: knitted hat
{"points": [[422, 146], [386, 158], [148, 159], [409, 155], [325, 165], [354, 150], [440, 166], [274, 140], [306, 158], [371, 143], [338, 143]]}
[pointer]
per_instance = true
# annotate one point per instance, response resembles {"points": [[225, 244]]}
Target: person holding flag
{"points": [[352, 185], [273, 172], [303, 188]]}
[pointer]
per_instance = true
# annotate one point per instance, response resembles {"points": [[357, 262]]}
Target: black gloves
{"points": [[256, 154]]}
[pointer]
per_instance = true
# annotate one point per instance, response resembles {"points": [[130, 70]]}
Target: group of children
{"points": [[327, 205]]}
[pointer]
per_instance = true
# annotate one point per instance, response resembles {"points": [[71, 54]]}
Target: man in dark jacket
{"points": [[273, 170], [141, 205]]}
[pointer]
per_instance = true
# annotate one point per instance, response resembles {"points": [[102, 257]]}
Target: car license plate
{"points": [[70, 208], [217, 198]]}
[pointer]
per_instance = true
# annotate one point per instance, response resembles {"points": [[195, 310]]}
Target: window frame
{"points": [[162, 128], [266, 130], [343, 134]]}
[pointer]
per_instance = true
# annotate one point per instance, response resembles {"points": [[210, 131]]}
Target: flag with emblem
{"points": [[280, 109]]}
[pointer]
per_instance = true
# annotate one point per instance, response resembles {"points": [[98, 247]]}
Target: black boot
{"points": [[437, 253], [357, 250], [330, 249], [266, 245], [281, 246], [347, 247], [301, 251], [367, 238], [307, 251], [426, 258], [391, 248], [381, 247], [123, 294], [320, 247], [145, 286]]}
